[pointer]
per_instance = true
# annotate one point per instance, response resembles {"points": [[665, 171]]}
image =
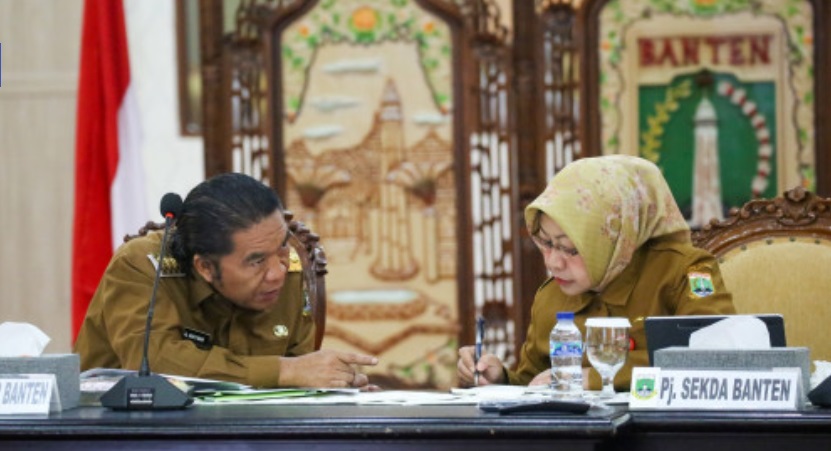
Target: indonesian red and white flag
{"points": [[109, 180]]}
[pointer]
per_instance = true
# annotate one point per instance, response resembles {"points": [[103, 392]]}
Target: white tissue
{"points": [[822, 371], [735, 332], [21, 340]]}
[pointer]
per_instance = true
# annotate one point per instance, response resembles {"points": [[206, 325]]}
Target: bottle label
{"points": [[569, 348]]}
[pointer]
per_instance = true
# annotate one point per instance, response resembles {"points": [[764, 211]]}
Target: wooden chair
{"points": [[312, 257], [775, 256]]}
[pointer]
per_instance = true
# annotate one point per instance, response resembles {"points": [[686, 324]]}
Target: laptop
{"points": [[665, 331]]}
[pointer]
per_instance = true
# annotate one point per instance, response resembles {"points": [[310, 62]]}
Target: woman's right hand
{"points": [[489, 366]]}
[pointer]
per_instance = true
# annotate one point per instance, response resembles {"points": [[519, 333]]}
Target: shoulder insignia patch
{"points": [[170, 267], [295, 265], [701, 284]]}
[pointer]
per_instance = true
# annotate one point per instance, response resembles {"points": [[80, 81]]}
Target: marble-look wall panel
{"points": [[41, 43]]}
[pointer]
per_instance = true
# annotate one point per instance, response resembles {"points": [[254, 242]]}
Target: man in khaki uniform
{"points": [[227, 305]]}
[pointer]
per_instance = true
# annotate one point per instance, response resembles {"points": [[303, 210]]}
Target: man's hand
{"points": [[489, 367], [326, 368]]}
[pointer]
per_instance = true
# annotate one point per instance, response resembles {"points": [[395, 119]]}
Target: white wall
{"points": [[40, 55], [172, 162]]}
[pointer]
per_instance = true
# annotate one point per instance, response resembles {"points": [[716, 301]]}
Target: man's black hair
{"points": [[216, 209]]}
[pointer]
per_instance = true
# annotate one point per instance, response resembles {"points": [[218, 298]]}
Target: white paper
{"points": [[21, 340], [456, 396], [384, 397], [735, 332]]}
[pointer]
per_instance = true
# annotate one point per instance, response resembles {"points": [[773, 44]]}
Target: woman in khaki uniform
{"points": [[614, 244]]}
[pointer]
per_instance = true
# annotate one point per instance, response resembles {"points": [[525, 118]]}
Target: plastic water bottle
{"points": [[566, 351]]}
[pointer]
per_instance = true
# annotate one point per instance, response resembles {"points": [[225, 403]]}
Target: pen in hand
{"points": [[477, 352]]}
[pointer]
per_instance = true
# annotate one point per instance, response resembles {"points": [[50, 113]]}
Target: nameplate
{"points": [[29, 394], [654, 388]]}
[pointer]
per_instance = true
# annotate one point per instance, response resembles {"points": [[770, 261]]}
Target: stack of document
{"points": [[301, 396], [97, 381], [272, 395]]}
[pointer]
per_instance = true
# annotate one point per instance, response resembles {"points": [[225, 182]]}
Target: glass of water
{"points": [[607, 344]]}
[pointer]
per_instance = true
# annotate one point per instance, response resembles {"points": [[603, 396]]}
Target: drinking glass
{"points": [[607, 344]]}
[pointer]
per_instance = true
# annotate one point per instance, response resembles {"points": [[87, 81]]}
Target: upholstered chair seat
{"points": [[775, 256]]}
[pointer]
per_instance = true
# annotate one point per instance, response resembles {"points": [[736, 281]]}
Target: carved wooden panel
{"points": [[796, 212], [635, 43], [368, 191], [559, 78], [522, 106]]}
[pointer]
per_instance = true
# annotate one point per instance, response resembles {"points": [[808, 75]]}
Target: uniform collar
{"points": [[617, 292], [201, 291], [570, 303]]}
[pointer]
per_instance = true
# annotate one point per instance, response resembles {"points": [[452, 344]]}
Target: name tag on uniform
{"points": [[202, 340]]}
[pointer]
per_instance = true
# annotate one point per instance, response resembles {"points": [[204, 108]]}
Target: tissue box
{"points": [[65, 367], [744, 359]]}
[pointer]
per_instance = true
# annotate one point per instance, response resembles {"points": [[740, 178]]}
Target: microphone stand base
{"points": [[152, 392]]}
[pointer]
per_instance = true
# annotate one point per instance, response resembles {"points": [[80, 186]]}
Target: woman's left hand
{"points": [[543, 378]]}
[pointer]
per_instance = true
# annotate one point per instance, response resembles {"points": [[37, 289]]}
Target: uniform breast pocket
{"points": [[274, 344]]}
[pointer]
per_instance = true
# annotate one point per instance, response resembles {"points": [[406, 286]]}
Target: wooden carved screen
{"points": [[394, 202], [559, 83], [549, 127]]}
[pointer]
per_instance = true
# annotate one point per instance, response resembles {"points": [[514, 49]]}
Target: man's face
{"points": [[252, 275]]}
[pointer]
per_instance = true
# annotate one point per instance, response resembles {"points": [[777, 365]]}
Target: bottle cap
{"points": [[568, 316]]}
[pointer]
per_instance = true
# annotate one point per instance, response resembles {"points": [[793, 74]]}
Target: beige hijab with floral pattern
{"points": [[608, 207]]}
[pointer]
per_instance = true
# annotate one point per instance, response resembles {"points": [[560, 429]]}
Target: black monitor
{"points": [[665, 331]]}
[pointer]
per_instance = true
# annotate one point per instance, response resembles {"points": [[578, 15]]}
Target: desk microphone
{"points": [[147, 391]]}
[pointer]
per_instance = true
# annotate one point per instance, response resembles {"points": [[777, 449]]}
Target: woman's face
{"points": [[562, 260]]}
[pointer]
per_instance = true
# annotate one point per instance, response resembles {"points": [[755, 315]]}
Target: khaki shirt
{"points": [[658, 282], [195, 331]]}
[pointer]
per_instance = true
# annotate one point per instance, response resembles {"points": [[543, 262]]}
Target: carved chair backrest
{"points": [[312, 258], [775, 256]]}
